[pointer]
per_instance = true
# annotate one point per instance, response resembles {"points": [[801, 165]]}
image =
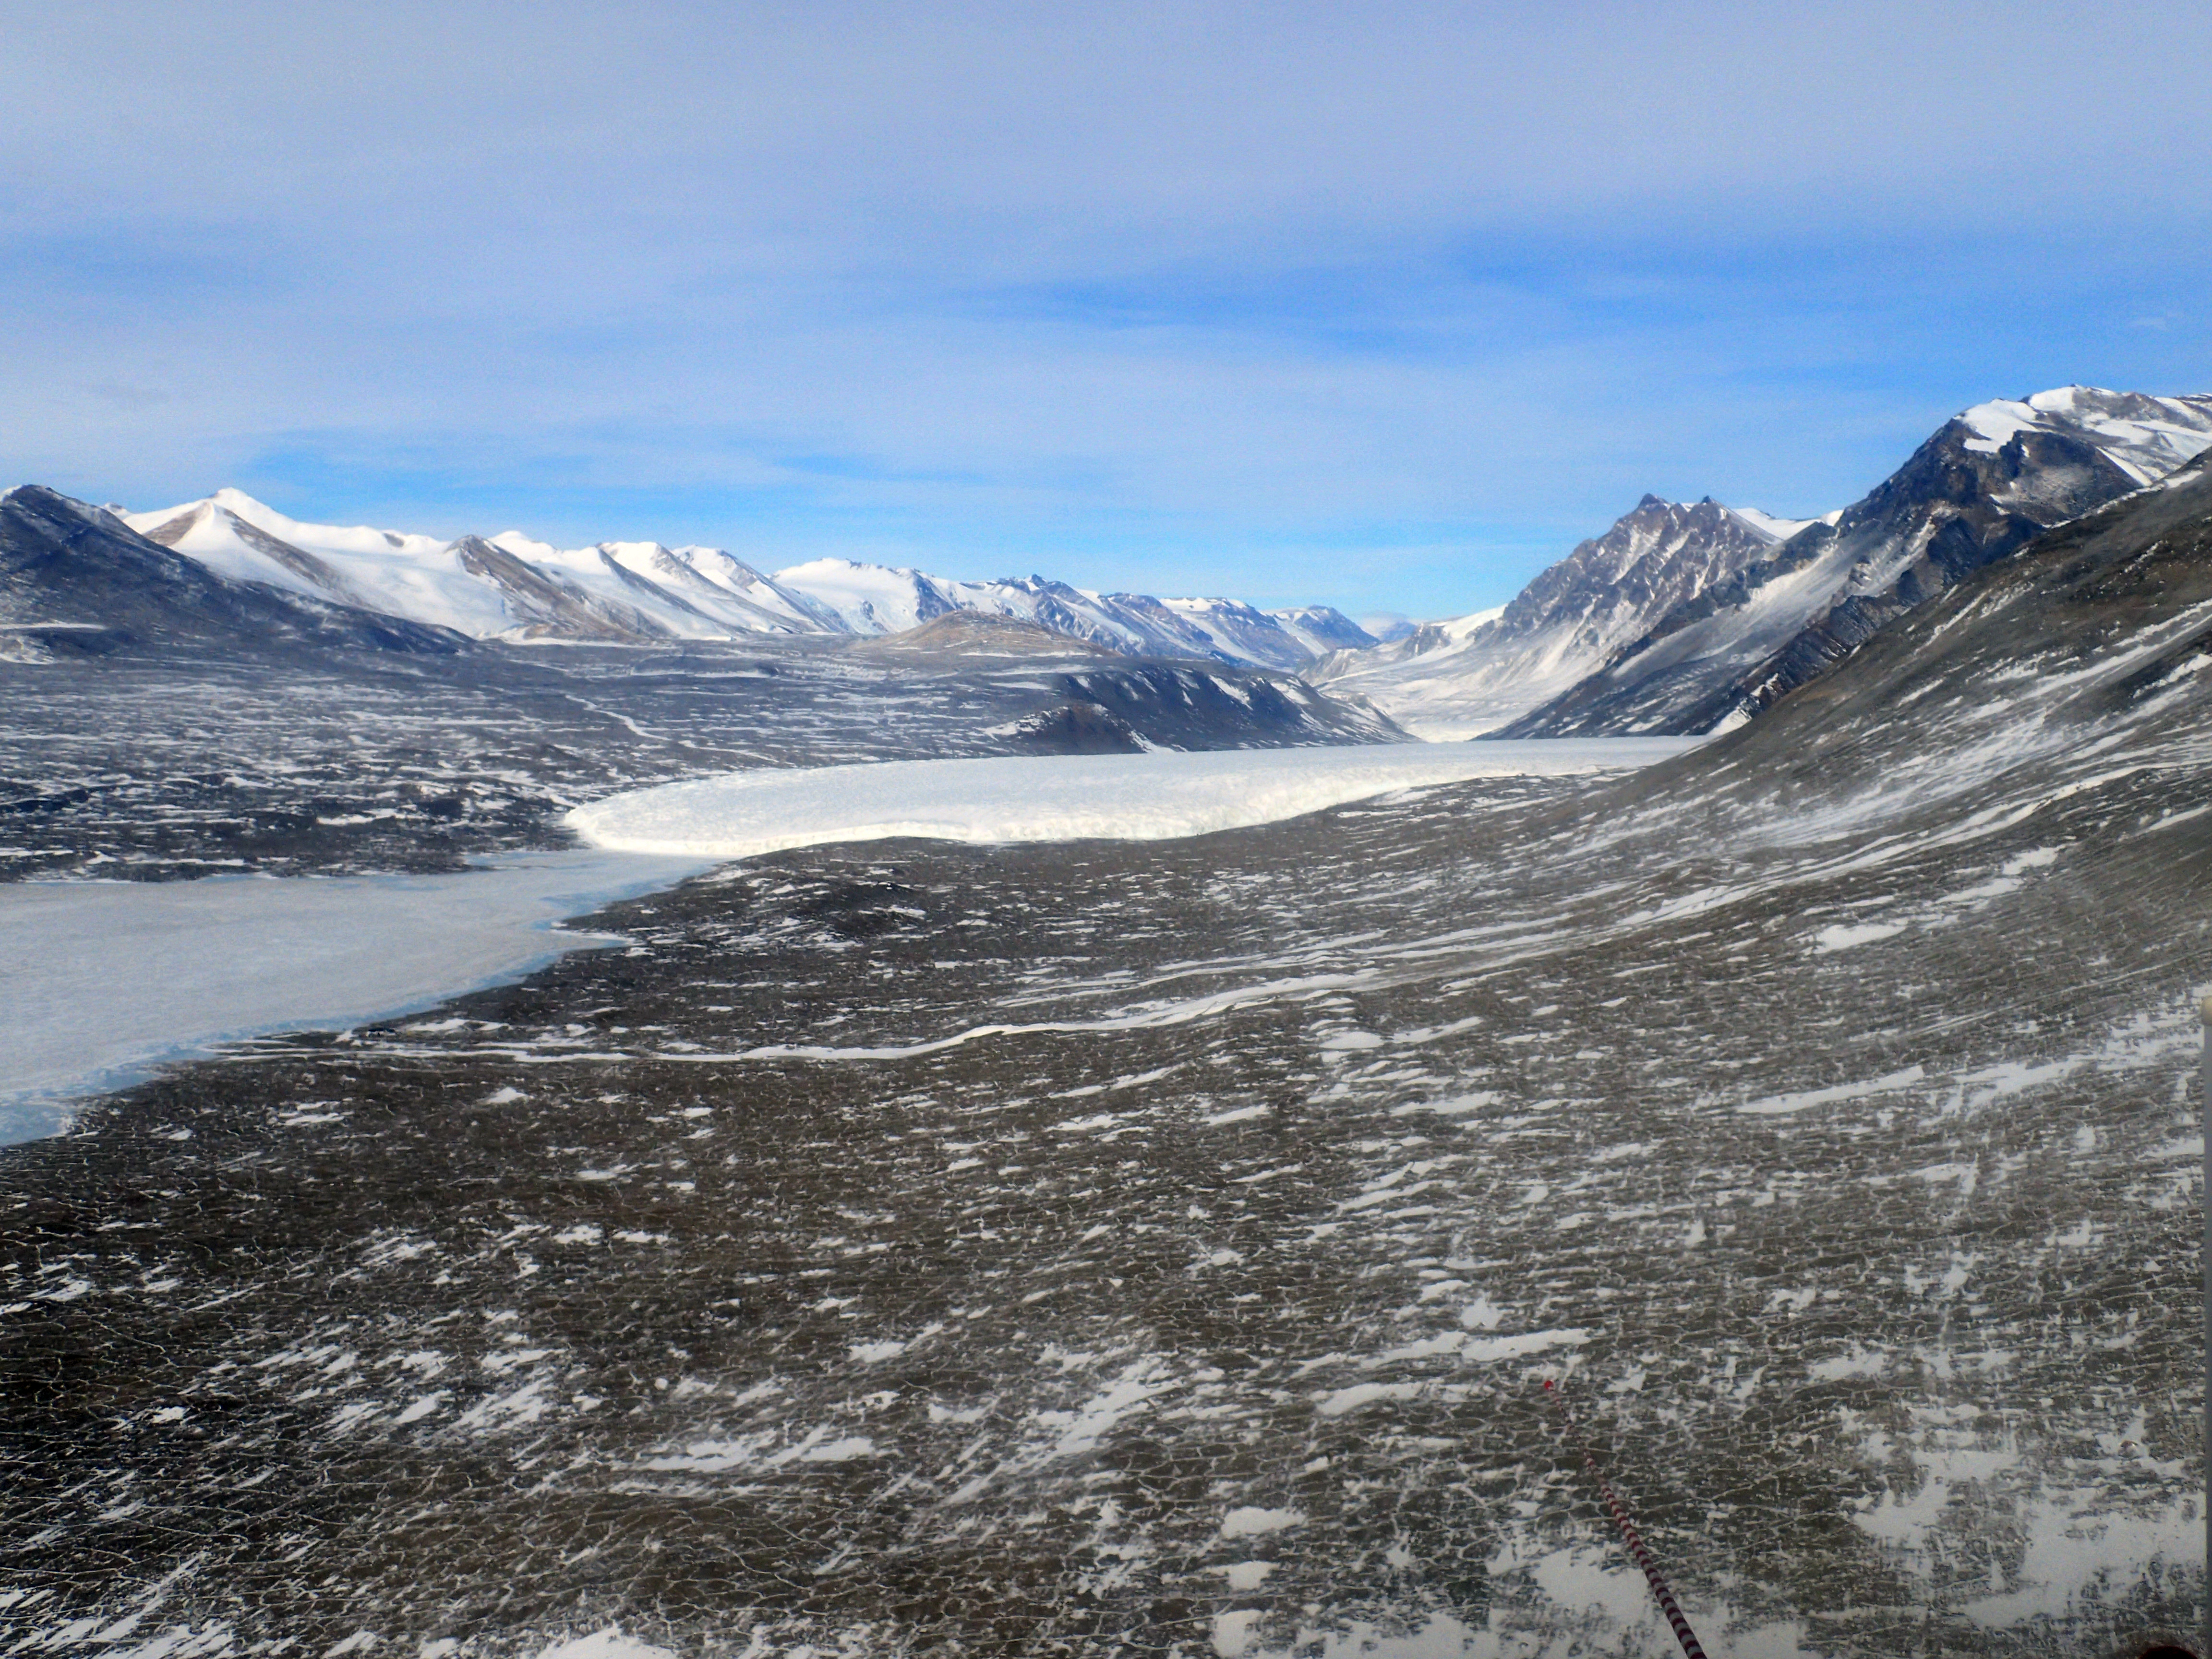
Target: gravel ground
{"points": [[1095, 1248]]}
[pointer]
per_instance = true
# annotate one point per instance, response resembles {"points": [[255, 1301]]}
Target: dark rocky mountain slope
{"points": [[75, 581], [1473, 674], [1983, 487]]}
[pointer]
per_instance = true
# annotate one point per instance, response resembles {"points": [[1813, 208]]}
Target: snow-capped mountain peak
{"points": [[1473, 674], [77, 578], [2146, 438], [1682, 616], [360, 539], [1986, 482], [869, 598], [514, 587]]}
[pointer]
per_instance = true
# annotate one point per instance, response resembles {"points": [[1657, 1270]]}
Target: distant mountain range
{"points": [[78, 584], [1681, 618], [511, 587], [1684, 619]]}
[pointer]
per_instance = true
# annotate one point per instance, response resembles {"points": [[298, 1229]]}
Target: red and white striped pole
{"points": [[1619, 1510]]}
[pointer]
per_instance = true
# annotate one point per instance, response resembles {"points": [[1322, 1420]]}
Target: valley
{"points": [[1097, 1246]]}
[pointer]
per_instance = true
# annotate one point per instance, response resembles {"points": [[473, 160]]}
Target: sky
{"points": [[1381, 307]]}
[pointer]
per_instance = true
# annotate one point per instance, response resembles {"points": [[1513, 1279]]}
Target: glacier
{"points": [[1160, 796]]}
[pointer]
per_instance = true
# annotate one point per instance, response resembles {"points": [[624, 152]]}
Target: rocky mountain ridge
{"points": [[1684, 617], [1989, 482], [75, 581], [1472, 674], [92, 611]]}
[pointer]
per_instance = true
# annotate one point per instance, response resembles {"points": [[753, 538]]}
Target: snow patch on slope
{"points": [[2146, 438], [869, 598], [1774, 529]]}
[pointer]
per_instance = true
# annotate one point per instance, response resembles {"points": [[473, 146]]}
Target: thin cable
{"points": [[1619, 1510]]}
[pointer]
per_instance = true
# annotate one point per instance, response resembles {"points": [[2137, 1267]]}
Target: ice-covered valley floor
{"points": [[101, 981], [1161, 796], [160, 771], [1157, 1247]]}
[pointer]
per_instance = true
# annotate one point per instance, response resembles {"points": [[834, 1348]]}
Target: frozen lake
{"points": [[100, 982]]}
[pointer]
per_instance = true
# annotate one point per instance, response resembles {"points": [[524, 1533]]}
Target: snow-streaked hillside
{"points": [[1096, 1228], [725, 593], [1475, 673], [1093, 1228], [1322, 629], [511, 586], [507, 588], [1988, 482], [78, 582], [1681, 617]]}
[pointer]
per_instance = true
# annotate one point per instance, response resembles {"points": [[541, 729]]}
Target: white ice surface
{"points": [[609, 1644], [1161, 796], [101, 980]]}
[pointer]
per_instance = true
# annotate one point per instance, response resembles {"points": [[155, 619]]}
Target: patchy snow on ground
{"points": [[1150, 797], [609, 1644]]}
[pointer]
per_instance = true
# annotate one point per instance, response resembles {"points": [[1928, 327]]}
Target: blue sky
{"points": [[1276, 301]]}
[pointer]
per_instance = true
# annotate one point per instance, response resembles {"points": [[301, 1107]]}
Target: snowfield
{"points": [[1151, 797]]}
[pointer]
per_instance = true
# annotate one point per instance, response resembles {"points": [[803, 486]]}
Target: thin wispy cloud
{"points": [[1385, 312]]}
